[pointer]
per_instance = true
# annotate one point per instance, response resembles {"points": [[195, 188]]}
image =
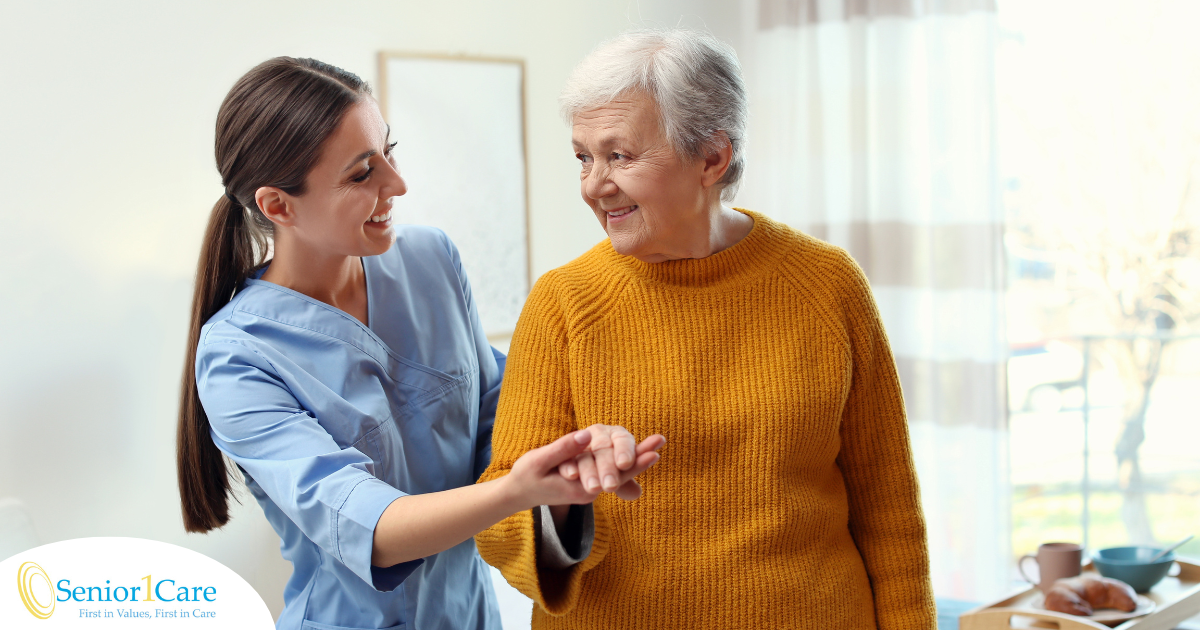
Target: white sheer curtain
{"points": [[872, 127]]}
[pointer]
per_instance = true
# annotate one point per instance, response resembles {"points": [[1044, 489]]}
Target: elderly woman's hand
{"points": [[612, 453], [613, 456]]}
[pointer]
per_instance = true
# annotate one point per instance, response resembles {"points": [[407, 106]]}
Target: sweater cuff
{"points": [[575, 544], [511, 546]]}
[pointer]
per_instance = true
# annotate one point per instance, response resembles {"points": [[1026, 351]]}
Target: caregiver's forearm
{"points": [[420, 525]]}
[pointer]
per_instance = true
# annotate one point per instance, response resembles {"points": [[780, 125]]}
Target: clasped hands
{"points": [[577, 467], [612, 461]]}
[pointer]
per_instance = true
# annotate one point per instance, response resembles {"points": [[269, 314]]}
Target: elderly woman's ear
{"points": [[717, 159]]}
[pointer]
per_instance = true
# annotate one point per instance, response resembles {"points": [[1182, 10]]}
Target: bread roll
{"points": [[1082, 595]]}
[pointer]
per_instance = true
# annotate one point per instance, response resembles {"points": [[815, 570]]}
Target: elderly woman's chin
{"points": [[629, 235], [636, 243]]}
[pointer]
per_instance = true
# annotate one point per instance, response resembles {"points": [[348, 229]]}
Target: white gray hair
{"points": [[693, 77]]}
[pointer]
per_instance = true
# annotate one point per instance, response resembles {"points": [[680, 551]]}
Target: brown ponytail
{"points": [[270, 130]]}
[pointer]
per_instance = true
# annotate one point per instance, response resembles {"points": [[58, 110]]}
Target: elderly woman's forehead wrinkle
{"points": [[603, 119], [619, 121]]}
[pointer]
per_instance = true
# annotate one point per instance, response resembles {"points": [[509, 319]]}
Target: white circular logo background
{"points": [[130, 582]]}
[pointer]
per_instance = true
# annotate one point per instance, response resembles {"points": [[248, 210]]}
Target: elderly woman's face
{"points": [[648, 200]]}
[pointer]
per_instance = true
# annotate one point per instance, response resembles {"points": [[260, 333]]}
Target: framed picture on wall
{"points": [[460, 127]]}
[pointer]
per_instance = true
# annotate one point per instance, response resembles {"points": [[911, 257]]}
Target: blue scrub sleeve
{"points": [[487, 412], [327, 490]]}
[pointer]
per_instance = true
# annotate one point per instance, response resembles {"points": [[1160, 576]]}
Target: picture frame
{"points": [[460, 126]]}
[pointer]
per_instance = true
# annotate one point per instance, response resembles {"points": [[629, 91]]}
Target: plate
{"points": [[1145, 606]]}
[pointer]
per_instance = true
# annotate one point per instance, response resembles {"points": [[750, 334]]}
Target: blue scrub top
{"points": [[331, 421]]}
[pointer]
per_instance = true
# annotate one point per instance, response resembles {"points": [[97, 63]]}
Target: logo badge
{"points": [[125, 582], [28, 575]]}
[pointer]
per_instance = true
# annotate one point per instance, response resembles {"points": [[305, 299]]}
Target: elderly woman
{"points": [[788, 496]]}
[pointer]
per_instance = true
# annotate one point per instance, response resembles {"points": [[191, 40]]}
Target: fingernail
{"points": [[610, 482], [582, 437], [592, 485], [623, 460]]}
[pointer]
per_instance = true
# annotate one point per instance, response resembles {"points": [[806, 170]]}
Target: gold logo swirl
{"points": [[26, 574]]}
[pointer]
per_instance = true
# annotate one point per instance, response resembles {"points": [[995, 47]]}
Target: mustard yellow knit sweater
{"points": [[786, 495]]}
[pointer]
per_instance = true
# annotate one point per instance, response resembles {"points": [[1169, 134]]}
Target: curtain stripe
{"points": [[963, 256], [796, 13]]}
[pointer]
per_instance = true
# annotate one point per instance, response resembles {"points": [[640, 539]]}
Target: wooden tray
{"points": [[1178, 598]]}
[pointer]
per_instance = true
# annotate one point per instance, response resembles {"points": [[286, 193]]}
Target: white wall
{"points": [[107, 177]]}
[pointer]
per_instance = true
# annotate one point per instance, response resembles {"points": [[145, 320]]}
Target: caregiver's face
{"points": [[643, 194], [347, 204]]}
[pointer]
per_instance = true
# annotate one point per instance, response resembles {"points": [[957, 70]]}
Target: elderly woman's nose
{"points": [[597, 184]]}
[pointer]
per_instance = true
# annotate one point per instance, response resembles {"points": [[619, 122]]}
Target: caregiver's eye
{"points": [[362, 178]]}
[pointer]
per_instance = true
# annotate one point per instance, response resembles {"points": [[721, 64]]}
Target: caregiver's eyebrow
{"points": [[361, 156], [370, 154]]}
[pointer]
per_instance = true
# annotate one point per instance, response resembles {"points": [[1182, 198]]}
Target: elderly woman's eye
{"points": [[619, 156], [583, 158]]}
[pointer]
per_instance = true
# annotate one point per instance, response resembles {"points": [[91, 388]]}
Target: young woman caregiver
{"points": [[348, 377]]}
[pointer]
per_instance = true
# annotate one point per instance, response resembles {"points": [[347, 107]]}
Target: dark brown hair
{"points": [[270, 130]]}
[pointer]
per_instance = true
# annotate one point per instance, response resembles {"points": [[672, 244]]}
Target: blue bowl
{"points": [[1132, 565]]}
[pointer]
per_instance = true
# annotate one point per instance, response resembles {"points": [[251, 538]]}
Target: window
{"points": [[1099, 141]]}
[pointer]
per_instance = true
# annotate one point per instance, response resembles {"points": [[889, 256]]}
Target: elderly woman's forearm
{"points": [[560, 513]]}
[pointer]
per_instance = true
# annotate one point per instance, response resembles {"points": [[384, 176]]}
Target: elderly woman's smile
{"points": [[620, 213]]}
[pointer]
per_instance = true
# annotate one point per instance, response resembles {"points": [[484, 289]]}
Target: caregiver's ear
{"points": [[276, 205]]}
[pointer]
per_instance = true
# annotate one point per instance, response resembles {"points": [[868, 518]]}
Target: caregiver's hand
{"points": [[611, 452], [536, 479]]}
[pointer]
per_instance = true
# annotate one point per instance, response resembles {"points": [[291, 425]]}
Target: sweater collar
{"points": [[748, 259]]}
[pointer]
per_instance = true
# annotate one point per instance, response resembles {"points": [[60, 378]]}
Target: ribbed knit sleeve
{"points": [[535, 409], [886, 520]]}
